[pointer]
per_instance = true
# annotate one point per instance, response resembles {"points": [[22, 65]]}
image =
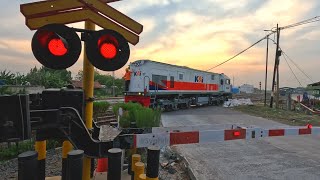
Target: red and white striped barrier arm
{"points": [[209, 136]]}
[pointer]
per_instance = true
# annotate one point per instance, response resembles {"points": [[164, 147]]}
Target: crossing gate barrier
{"points": [[204, 134]]}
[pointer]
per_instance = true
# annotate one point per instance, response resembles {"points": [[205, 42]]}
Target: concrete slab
{"points": [[270, 158]]}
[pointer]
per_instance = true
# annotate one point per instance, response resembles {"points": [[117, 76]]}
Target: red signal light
{"points": [[56, 47], [108, 51], [236, 133], [309, 126], [108, 46]]}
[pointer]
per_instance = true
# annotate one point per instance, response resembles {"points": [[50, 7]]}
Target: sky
{"points": [[197, 34]]}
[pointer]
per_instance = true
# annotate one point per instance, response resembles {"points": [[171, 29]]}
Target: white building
{"points": [[246, 88]]}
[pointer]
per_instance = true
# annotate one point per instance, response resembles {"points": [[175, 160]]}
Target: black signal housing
{"points": [[56, 46], [107, 50]]}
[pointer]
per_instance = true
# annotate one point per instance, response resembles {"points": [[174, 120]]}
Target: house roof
{"points": [[315, 84], [79, 84]]}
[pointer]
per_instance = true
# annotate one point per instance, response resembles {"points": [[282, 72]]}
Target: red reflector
{"points": [[56, 47], [108, 50], [276, 132], [236, 133]]}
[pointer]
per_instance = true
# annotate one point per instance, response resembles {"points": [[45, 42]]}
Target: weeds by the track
{"points": [[279, 115]]}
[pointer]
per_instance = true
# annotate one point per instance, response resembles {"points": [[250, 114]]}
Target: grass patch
{"points": [[134, 112], [279, 115], [13, 151], [100, 107], [147, 118]]}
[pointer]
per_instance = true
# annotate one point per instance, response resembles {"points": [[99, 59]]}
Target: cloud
{"points": [[198, 34]]}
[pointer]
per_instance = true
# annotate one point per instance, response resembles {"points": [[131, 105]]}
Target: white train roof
{"points": [[143, 61]]}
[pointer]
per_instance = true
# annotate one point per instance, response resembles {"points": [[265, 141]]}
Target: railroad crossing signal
{"points": [[107, 49], [260, 85], [57, 46], [41, 13]]}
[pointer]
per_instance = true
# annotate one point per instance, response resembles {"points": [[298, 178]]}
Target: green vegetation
{"points": [[134, 112], [100, 108], [43, 76], [106, 80], [13, 151], [282, 116], [49, 78], [147, 117]]}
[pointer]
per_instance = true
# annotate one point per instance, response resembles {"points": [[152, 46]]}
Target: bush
{"points": [[100, 107], [134, 112], [13, 151], [147, 117]]}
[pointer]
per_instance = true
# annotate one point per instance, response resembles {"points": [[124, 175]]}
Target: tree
{"points": [[10, 78], [7, 77], [49, 78], [106, 80]]}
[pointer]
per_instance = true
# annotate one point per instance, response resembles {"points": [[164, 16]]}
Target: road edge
{"points": [[187, 164]]}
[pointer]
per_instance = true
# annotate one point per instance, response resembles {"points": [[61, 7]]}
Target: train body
{"points": [[155, 84]]}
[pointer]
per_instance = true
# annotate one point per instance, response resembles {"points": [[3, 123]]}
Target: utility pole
{"points": [[233, 80], [266, 77], [275, 69], [113, 93], [277, 90]]}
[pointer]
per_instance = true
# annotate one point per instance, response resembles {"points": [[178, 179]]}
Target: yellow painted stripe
{"points": [[139, 169], [41, 148], [81, 15], [135, 158], [86, 168], [142, 177], [32, 9], [66, 147], [115, 15]]}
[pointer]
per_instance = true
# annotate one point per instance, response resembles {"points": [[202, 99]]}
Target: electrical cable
{"points": [[240, 52], [295, 64], [298, 67], [311, 20], [292, 70]]}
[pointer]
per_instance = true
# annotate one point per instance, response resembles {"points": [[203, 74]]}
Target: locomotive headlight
{"points": [[139, 93]]}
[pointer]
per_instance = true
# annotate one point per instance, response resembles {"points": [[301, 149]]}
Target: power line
{"points": [[311, 20], [295, 64], [240, 52], [292, 71], [299, 67]]}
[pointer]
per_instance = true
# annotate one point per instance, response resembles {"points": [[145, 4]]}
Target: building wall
{"points": [[27, 89], [247, 88]]}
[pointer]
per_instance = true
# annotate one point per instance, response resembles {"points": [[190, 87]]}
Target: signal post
{"points": [[88, 84], [57, 46]]}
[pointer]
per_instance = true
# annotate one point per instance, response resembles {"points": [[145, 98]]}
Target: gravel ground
{"points": [[171, 166], [9, 169]]}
